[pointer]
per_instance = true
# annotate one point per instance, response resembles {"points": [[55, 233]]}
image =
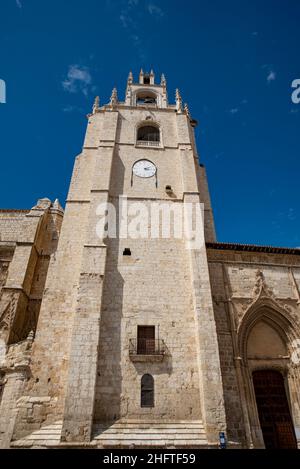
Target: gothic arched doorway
{"points": [[273, 410]]}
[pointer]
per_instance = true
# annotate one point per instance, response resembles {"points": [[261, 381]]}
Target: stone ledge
{"points": [[146, 358]]}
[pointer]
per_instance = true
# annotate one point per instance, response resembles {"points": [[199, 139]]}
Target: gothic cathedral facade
{"points": [[113, 340]]}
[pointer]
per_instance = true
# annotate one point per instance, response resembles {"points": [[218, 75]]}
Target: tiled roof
{"points": [[253, 248]]}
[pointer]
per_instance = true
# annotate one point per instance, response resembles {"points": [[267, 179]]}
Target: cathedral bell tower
{"points": [[126, 333]]}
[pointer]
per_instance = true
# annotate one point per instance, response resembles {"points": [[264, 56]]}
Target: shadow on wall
{"points": [[109, 378]]}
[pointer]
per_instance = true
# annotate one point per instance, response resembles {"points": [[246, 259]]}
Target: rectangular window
{"points": [[146, 340]]}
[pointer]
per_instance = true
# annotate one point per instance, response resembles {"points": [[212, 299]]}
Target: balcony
{"points": [[145, 350], [147, 143]]}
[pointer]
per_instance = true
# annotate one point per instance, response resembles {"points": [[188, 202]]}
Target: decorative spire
{"points": [[187, 111], [42, 204], [56, 205], [114, 98], [96, 104], [152, 77], [178, 101], [163, 80], [130, 78], [141, 76]]}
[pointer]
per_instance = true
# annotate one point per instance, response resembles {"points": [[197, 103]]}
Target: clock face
{"points": [[144, 169]]}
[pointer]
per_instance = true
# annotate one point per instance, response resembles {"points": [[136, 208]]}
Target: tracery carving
{"points": [[262, 294], [7, 315]]}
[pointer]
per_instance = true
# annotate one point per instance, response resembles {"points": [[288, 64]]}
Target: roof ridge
{"points": [[253, 247]]}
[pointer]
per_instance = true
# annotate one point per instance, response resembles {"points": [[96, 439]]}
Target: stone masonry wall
{"points": [[233, 277], [150, 287], [31, 238]]}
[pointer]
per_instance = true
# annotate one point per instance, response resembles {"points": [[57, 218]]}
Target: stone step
{"points": [[148, 425], [154, 433], [45, 436], [35, 443], [161, 443], [145, 429], [147, 436], [154, 422], [127, 433], [124, 431]]}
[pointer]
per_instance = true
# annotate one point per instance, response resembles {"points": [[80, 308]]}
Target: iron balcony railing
{"points": [[147, 347], [148, 143]]}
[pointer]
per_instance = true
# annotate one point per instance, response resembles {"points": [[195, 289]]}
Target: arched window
{"points": [[147, 391], [146, 97], [148, 133]]}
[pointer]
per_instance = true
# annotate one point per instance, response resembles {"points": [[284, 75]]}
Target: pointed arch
{"points": [[271, 313], [268, 310]]}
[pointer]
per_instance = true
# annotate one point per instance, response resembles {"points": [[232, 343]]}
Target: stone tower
{"points": [[126, 331], [116, 330]]}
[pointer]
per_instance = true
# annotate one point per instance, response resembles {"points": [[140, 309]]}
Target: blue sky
{"points": [[234, 62]]}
